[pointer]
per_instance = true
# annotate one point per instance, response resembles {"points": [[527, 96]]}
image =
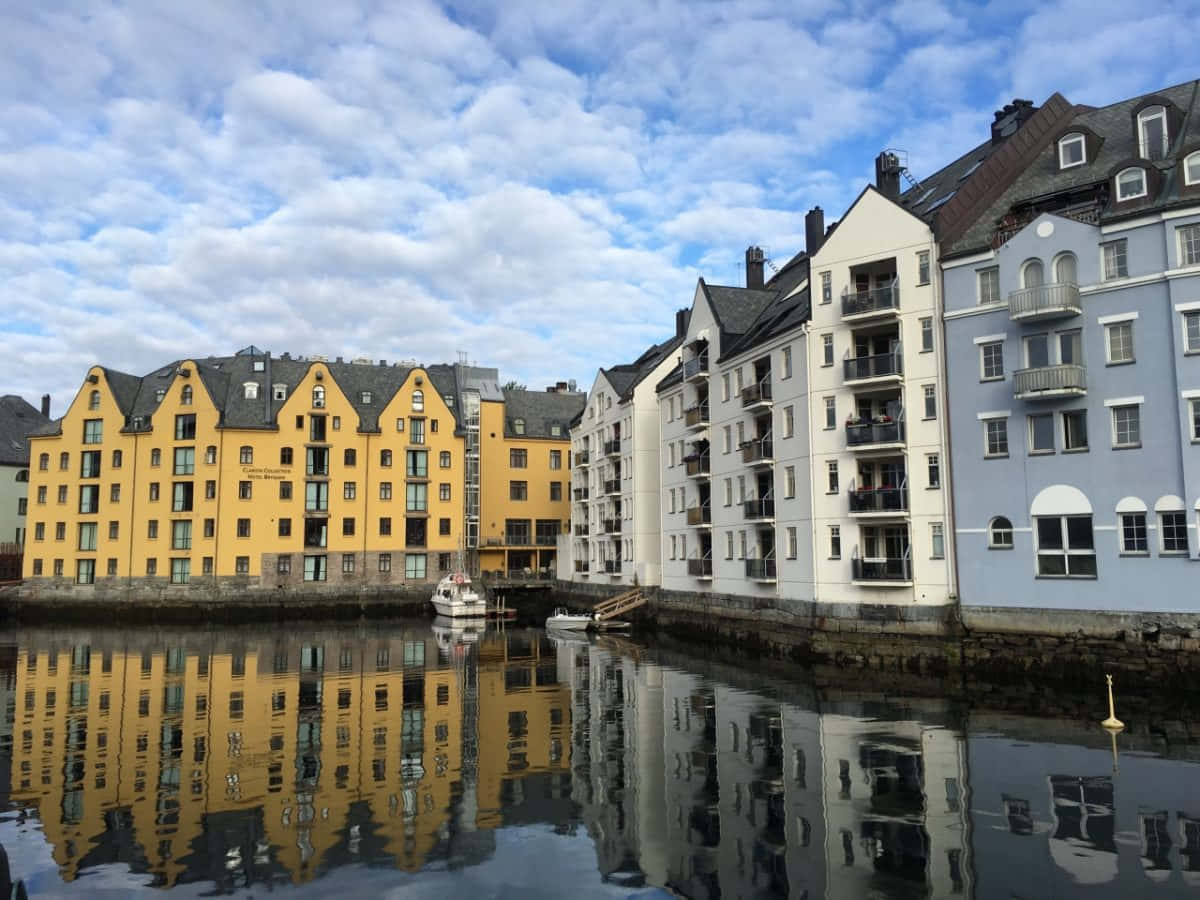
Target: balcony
{"points": [[695, 368], [1050, 382], [696, 416], [518, 539], [613, 447], [700, 516], [698, 465], [581, 566], [760, 569], [878, 435], [868, 304], [612, 486], [612, 566], [581, 493], [758, 508], [583, 458], [758, 452], [757, 395], [700, 568], [546, 540], [581, 531], [889, 366], [1044, 302], [612, 526], [880, 500], [883, 572]]}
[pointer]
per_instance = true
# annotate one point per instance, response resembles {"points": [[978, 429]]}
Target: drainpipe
{"points": [[806, 330], [947, 469]]}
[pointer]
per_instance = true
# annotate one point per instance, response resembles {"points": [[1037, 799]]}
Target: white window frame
{"points": [[1111, 327], [831, 413], [988, 453], [786, 362], [792, 543], [1191, 168], [1087, 442], [1074, 137], [926, 325], [835, 541], [1162, 533], [1145, 534], [1194, 413], [929, 402], [1125, 408], [789, 421], [789, 482], [1146, 115], [1191, 315], [1119, 249], [923, 274], [826, 287], [1066, 551], [833, 482], [1041, 451], [1122, 195], [826, 350], [933, 463], [937, 540], [993, 529], [725, 387], [983, 361], [992, 276], [1182, 233]]}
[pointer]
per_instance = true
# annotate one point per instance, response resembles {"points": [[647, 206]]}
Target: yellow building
{"points": [[524, 478], [249, 471]]}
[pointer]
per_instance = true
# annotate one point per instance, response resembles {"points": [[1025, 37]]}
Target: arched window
{"points": [[246, 455], [1000, 534], [1152, 132], [318, 396], [94, 400], [1032, 274], [1065, 269], [518, 426], [1072, 151], [251, 390], [1191, 168], [1131, 183], [185, 396], [418, 401], [22, 475]]}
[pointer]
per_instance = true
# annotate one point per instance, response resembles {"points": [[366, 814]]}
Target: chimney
{"points": [[1009, 119], [681, 317], [887, 175], [754, 268], [814, 230], [46, 405], [561, 387]]}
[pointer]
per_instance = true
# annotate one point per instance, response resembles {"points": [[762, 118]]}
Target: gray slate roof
{"points": [[624, 378], [541, 410], [17, 420]]}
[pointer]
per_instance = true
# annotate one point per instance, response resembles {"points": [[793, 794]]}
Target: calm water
{"points": [[432, 762]]}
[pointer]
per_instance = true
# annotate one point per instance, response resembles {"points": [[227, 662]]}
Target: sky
{"points": [[535, 185]]}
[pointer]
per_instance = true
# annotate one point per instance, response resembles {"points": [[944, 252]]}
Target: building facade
{"points": [[1073, 347], [17, 420]]}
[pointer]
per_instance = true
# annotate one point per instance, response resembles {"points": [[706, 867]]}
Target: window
{"points": [[930, 392], [400, 424], [989, 284], [1127, 431], [1172, 526], [933, 470], [992, 360], [1133, 533], [315, 567], [1065, 548], [89, 464], [1041, 433], [416, 432], [94, 400], [789, 481], [831, 470], [1152, 132], [725, 387], [349, 490], [347, 563], [1075, 430], [1000, 534], [1191, 168], [44, 462], [444, 529], [1191, 332], [418, 401], [444, 459], [827, 349], [385, 458], [152, 566], [835, 542], [926, 334], [285, 490], [316, 496], [729, 491], [385, 490], [444, 491], [318, 396], [726, 439], [245, 490], [87, 536], [349, 458], [1071, 151], [995, 437], [385, 525], [89, 498], [156, 457], [1114, 257], [556, 491], [210, 455], [241, 565], [285, 527], [185, 460], [518, 426], [417, 463], [1131, 183], [826, 287], [283, 565], [385, 562], [518, 490], [555, 459], [789, 421], [181, 535], [830, 413], [93, 431], [1118, 340], [1194, 405], [85, 571], [792, 543], [41, 493], [787, 362], [62, 493], [416, 497], [243, 528], [246, 455], [518, 459], [1066, 269], [937, 538], [414, 565], [1033, 273], [1189, 245]]}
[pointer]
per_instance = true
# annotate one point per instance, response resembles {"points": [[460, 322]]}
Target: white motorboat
{"points": [[456, 632], [568, 621], [455, 597]]}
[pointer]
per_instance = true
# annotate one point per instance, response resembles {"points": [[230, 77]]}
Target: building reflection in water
{"points": [[250, 760]]}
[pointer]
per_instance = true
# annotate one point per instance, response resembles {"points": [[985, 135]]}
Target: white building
{"points": [[615, 474], [17, 420]]}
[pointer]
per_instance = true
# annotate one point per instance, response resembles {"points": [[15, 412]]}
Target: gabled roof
{"points": [[541, 410], [734, 308], [624, 378], [17, 420]]}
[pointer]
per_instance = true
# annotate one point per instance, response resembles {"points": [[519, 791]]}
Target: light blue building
{"points": [[1072, 338]]}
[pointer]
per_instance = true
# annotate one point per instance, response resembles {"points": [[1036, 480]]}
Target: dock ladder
{"points": [[619, 605]]}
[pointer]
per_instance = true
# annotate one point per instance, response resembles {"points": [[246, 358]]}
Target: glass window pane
{"points": [[1081, 566], [1050, 533], [1079, 533], [1052, 564]]}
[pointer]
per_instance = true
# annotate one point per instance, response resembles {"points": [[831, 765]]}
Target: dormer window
{"points": [[251, 390], [260, 365], [366, 398], [318, 396], [279, 391], [1152, 132], [1191, 168], [1131, 184], [159, 394], [518, 426], [1072, 151]]}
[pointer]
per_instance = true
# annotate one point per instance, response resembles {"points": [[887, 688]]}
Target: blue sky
{"points": [[536, 184]]}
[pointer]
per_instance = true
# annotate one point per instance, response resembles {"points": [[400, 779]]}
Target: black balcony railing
{"points": [[695, 416], [700, 568], [581, 531], [880, 499], [612, 486], [518, 538], [758, 450], [757, 393], [762, 569], [759, 508], [582, 458], [862, 433], [581, 565], [612, 566], [699, 515], [876, 366], [546, 540], [875, 300], [898, 569], [696, 367], [612, 526], [613, 447], [697, 465]]}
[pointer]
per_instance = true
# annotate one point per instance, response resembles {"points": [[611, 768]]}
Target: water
{"points": [[431, 762]]}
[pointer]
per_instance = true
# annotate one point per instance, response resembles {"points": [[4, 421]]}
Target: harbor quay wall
{"points": [[985, 644]]}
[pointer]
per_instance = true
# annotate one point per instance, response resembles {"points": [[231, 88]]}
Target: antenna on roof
{"points": [[897, 161]]}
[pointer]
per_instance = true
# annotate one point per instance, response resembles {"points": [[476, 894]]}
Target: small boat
{"points": [[569, 621], [455, 597], [453, 632]]}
